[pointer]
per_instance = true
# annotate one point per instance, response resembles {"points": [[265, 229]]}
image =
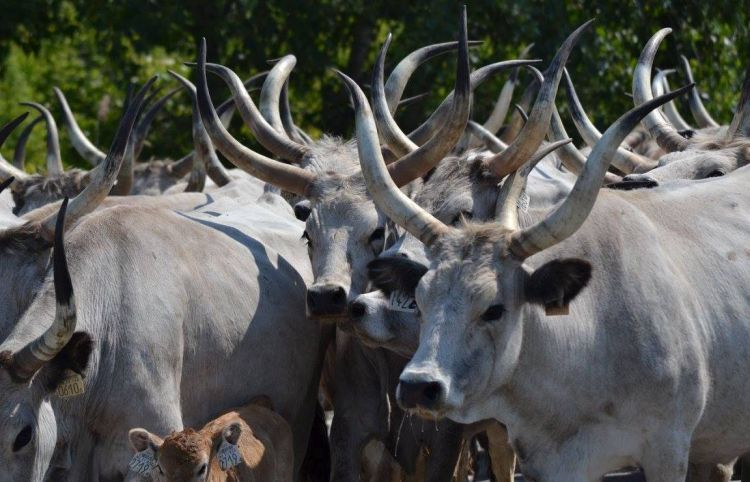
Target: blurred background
{"points": [[92, 50]]}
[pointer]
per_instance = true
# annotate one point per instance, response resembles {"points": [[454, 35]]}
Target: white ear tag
{"points": [[523, 202], [400, 301], [229, 455], [143, 462], [71, 386]]}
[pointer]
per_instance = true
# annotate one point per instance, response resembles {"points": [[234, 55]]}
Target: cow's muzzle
{"points": [[328, 300], [421, 393]]}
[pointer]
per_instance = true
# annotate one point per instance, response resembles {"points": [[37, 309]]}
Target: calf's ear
{"points": [[141, 439], [395, 273], [558, 282], [232, 433]]}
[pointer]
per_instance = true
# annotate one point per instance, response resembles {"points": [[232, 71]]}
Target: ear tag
{"points": [[143, 462], [557, 310], [523, 202], [71, 386], [401, 301], [229, 455]]}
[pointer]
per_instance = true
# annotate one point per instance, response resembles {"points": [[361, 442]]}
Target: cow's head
{"points": [[344, 229], [478, 291], [710, 158], [36, 191], [344, 232], [188, 455], [388, 318]]}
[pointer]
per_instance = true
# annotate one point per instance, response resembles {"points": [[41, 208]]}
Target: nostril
{"points": [[357, 310], [417, 393], [432, 392], [339, 293]]}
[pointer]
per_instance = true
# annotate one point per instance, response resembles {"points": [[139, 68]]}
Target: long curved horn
{"points": [[225, 111], [390, 132], [277, 143], [6, 170], [140, 133], [19, 154], [570, 215], [288, 177], [226, 108], [104, 175], [54, 159], [500, 110], [204, 149], [517, 121], [386, 194], [740, 126], [4, 185], [571, 157], [270, 94], [624, 160], [81, 143], [700, 114], [534, 131], [419, 162], [670, 109], [515, 184], [29, 359], [290, 128], [660, 129], [400, 75], [486, 137]]}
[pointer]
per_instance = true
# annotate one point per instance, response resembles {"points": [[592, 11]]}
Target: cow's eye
{"points": [[307, 238], [493, 313], [462, 217], [23, 438], [715, 173], [377, 240], [202, 470]]}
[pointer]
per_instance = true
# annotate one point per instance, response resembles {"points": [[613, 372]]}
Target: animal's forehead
{"points": [[342, 202], [332, 155], [187, 446], [474, 242]]}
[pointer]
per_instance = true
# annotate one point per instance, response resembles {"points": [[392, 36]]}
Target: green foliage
{"points": [[93, 50]]}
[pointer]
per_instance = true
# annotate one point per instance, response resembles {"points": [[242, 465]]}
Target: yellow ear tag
{"points": [[71, 386], [554, 310]]}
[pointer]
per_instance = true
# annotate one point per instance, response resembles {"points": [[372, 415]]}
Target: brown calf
{"points": [[249, 444]]}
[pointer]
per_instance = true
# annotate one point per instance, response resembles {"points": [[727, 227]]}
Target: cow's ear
{"points": [[141, 439], [394, 273], [232, 433], [73, 357], [557, 282]]}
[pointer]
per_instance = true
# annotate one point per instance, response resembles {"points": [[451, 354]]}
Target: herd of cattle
{"points": [[466, 300]]}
